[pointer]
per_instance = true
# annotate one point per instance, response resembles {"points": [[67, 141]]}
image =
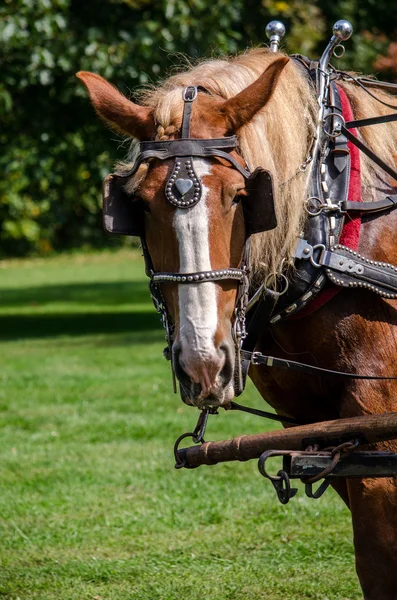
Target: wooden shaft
{"points": [[368, 429]]}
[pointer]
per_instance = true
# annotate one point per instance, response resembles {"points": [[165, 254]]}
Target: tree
{"points": [[54, 150]]}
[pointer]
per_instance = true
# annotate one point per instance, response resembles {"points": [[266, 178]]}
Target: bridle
{"points": [[183, 190]]}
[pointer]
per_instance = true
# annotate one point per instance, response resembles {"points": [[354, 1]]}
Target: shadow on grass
{"points": [[17, 327], [78, 322], [114, 293]]}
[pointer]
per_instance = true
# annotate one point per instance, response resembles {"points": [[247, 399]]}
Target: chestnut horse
{"points": [[265, 99]]}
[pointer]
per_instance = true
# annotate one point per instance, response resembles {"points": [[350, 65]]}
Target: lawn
{"points": [[91, 506]]}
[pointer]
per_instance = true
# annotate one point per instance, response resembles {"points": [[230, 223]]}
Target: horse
{"points": [[265, 99]]}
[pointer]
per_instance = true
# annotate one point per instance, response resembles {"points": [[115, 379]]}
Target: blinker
{"points": [[258, 205], [120, 213]]}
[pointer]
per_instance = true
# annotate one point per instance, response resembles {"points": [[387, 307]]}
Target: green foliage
{"points": [[54, 151]]}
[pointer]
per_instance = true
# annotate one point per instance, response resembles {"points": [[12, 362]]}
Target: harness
{"points": [[123, 214], [319, 257]]}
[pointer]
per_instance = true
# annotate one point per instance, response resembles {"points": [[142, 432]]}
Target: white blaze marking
{"points": [[197, 302]]}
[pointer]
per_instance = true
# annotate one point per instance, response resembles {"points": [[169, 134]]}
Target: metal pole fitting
{"points": [[275, 31]]}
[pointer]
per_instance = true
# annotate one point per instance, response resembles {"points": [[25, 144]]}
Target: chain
{"points": [[303, 166], [337, 453], [239, 329], [160, 306]]}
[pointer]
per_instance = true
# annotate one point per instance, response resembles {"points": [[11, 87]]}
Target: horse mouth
{"points": [[193, 396]]}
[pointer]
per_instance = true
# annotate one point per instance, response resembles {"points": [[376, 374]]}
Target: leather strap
{"points": [[371, 121], [199, 276], [388, 203], [185, 148], [188, 146], [365, 83], [257, 358], [189, 94], [347, 268], [373, 83], [374, 275], [264, 413], [361, 146]]}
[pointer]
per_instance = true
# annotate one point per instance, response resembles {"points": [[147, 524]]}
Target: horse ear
{"points": [[240, 109], [115, 109]]}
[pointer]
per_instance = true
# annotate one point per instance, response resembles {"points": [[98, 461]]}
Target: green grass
{"points": [[90, 504]]}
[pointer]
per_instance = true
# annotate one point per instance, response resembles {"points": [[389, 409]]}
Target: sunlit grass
{"points": [[90, 504]]}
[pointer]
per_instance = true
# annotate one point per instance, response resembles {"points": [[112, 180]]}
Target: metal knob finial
{"points": [[275, 31], [342, 30]]}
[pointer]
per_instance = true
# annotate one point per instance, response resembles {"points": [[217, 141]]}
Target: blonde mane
{"points": [[278, 138]]}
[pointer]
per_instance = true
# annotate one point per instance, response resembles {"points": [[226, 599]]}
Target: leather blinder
{"points": [[120, 213], [258, 205]]}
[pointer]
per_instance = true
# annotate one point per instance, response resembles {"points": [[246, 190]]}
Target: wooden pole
{"points": [[368, 429]]}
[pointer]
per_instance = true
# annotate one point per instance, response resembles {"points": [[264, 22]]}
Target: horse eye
{"points": [[240, 194]]}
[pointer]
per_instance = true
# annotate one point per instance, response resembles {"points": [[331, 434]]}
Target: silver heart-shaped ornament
{"points": [[183, 186]]}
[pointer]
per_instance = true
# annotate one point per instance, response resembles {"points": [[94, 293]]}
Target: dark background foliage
{"points": [[54, 151]]}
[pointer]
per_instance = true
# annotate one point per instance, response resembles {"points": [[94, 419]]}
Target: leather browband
{"points": [[165, 149]]}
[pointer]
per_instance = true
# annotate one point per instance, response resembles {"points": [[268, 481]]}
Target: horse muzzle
{"points": [[205, 378]]}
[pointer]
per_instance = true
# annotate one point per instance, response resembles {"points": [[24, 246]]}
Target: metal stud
{"points": [[275, 319]]}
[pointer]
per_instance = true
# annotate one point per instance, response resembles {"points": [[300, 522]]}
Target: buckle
{"points": [[189, 93], [319, 262], [337, 126], [255, 358]]}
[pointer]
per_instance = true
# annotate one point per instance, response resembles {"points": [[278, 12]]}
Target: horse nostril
{"points": [[226, 372], [225, 348]]}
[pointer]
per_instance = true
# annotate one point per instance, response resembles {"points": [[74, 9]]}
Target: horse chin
{"points": [[218, 396]]}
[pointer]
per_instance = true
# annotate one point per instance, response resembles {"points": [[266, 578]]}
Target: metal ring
{"points": [[284, 281], [305, 164], [313, 262], [189, 93], [341, 51], [342, 120], [313, 213], [180, 464]]}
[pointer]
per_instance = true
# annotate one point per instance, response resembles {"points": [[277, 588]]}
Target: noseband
{"points": [[183, 190]]}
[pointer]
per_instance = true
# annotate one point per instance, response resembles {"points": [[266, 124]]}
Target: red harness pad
{"points": [[350, 235]]}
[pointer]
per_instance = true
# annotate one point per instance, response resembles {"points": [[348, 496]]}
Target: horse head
{"points": [[193, 212]]}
